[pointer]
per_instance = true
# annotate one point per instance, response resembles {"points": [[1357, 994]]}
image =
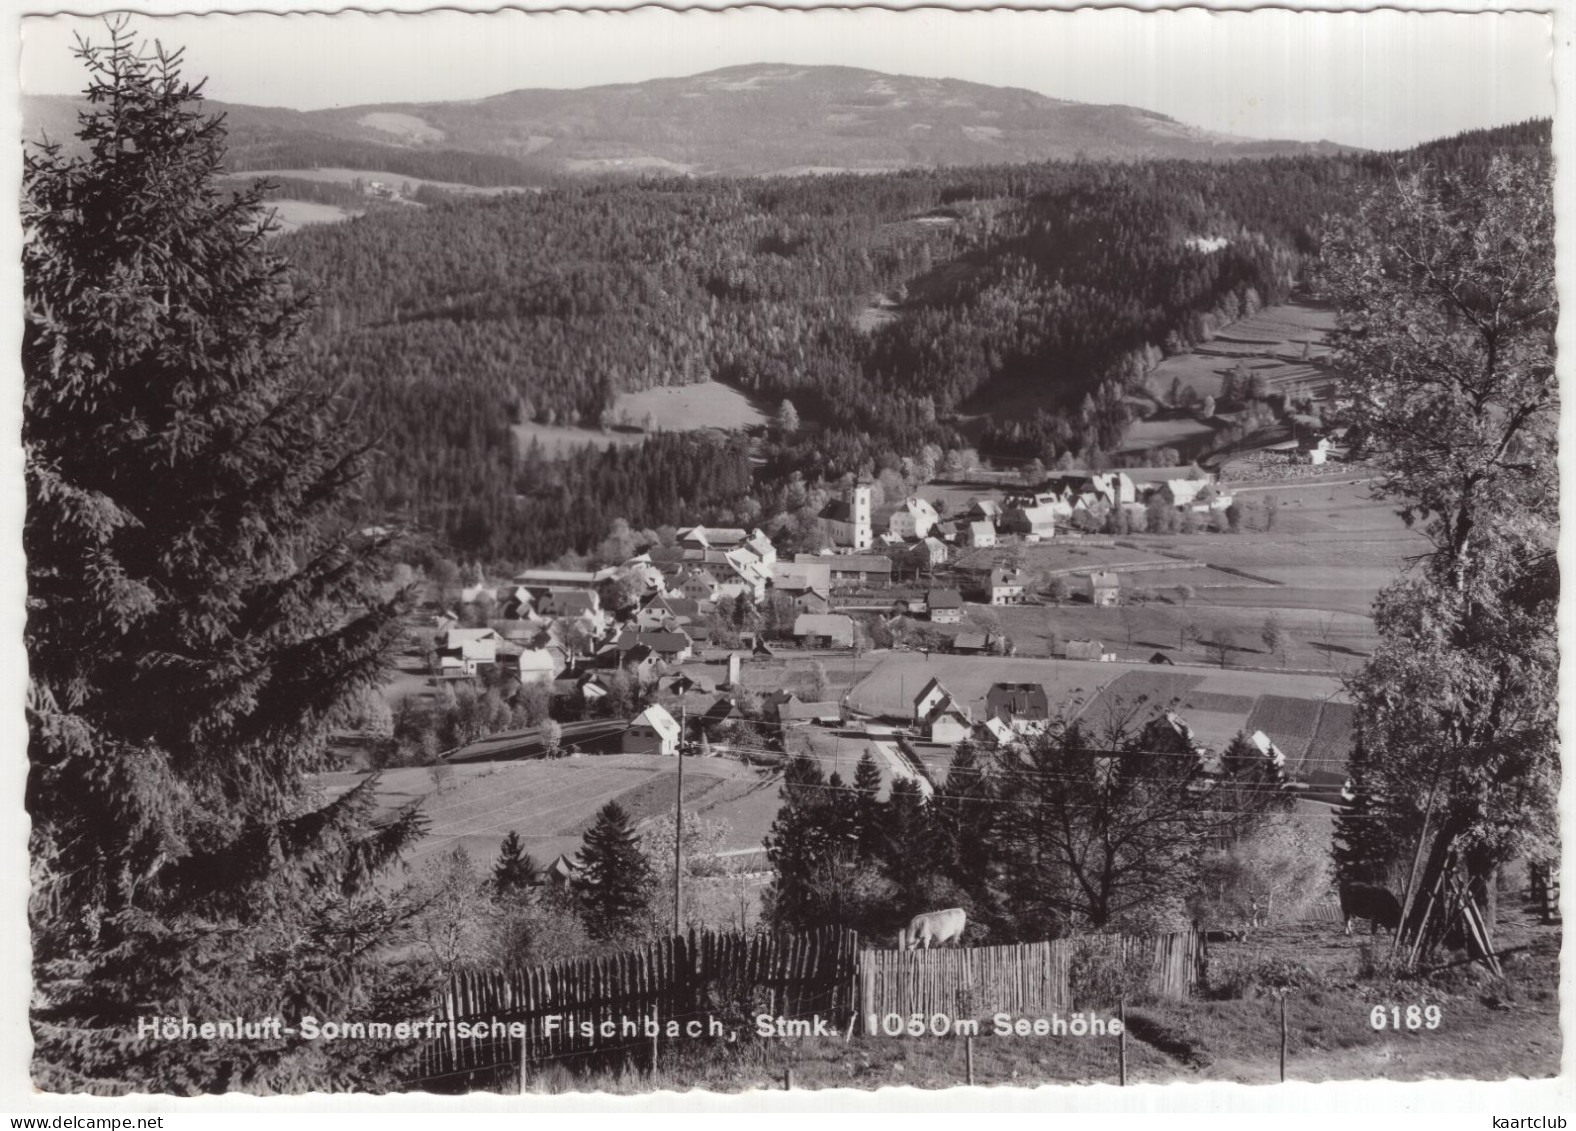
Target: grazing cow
{"points": [[933, 927], [1371, 902]]}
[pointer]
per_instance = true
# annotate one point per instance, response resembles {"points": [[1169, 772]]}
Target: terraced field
{"points": [[1284, 344]]}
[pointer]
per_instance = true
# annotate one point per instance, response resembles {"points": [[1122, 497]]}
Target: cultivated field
{"points": [[668, 408], [1282, 343], [294, 214], [685, 408]]}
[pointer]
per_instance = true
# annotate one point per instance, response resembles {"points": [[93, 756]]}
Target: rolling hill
{"points": [[750, 120]]}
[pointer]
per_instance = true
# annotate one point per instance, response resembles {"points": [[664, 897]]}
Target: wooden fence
{"points": [[1027, 978], [563, 1010]]}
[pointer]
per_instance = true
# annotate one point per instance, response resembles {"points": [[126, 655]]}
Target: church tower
{"points": [[863, 536]]}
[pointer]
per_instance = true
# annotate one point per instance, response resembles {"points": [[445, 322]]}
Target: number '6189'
{"points": [[1412, 1017]]}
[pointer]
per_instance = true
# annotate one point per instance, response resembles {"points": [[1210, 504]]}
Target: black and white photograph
{"points": [[771, 551]]}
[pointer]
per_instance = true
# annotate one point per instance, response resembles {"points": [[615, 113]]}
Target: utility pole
{"points": [[678, 822]]}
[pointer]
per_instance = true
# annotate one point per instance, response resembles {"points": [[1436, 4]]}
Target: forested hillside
{"points": [[1066, 281]]}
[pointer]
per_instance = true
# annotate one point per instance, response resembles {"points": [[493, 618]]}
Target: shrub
{"points": [[1254, 976], [1100, 976]]}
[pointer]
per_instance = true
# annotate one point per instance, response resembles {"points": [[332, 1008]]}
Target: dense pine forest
{"points": [[450, 323]]}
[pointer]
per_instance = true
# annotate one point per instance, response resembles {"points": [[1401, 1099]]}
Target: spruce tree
{"points": [[800, 845], [909, 842], [867, 815], [195, 615], [616, 880], [966, 815], [514, 871]]}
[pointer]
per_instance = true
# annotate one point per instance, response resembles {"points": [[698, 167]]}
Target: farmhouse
{"points": [[671, 647], [913, 518], [796, 576], [929, 698], [653, 731], [640, 662], [928, 553], [1037, 522], [716, 537], [1006, 586], [557, 579], [811, 601], [971, 643], [1088, 650], [950, 723], [698, 584], [1105, 588], [477, 645], [792, 711], [568, 603], [978, 535], [824, 630], [1185, 493], [945, 605], [993, 730], [947, 531], [854, 569], [539, 665], [985, 510], [1020, 705]]}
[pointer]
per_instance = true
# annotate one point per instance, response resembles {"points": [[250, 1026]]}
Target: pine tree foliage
{"points": [[194, 612], [514, 871], [616, 881]]}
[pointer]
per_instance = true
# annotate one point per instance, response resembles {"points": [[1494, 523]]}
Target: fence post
{"points": [[1283, 1036], [1121, 1048], [788, 1080], [968, 1060], [525, 1067]]}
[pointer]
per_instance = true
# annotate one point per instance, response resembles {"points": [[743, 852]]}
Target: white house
{"points": [[980, 535], [929, 698], [538, 665], [653, 731], [1006, 586], [1105, 588], [914, 518], [478, 645]]}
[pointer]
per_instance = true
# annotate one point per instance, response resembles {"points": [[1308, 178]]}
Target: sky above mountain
{"points": [[1380, 80]]}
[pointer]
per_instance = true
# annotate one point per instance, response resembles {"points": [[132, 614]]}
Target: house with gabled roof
{"points": [[994, 730], [478, 645], [653, 731], [913, 518], [949, 723], [824, 712], [1006, 586], [698, 584], [1022, 706], [929, 697], [971, 643], [538, 665], [945, 606], [824, 630], [1032, 522], [1105, 588], [978, 535], [568, 603]]}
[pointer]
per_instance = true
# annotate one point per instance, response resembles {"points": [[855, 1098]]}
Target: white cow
{"points": [[932, 928]]}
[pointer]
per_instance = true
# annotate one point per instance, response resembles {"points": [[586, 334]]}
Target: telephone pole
{"points": [[678, 821]]}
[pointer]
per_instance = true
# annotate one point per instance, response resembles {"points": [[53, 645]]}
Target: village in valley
{"points": [[793, 574], [965, 611]]}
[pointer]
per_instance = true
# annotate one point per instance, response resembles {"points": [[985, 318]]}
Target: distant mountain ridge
{"points": [[758, 119]]}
